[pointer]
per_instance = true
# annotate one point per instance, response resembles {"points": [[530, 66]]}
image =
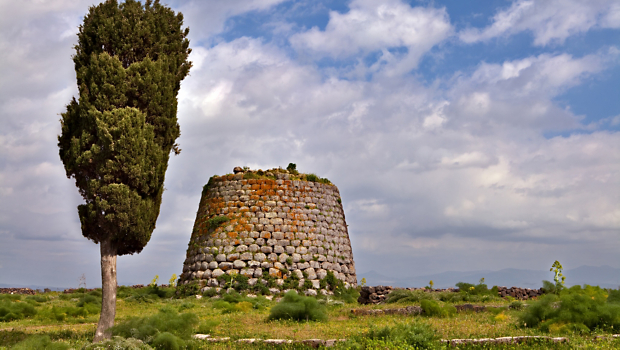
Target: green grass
{"points": [[169, 322]]}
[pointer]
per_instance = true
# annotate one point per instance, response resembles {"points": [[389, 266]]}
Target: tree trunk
{"points": [[108, 284]]}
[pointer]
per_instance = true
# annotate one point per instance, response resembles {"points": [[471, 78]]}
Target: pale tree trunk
{"points": [[108, 284]]}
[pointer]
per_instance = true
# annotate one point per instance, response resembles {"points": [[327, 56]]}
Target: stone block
{"points": [[225, 266], [232, 257]]}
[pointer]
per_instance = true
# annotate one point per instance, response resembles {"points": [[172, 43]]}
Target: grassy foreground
{"points": [[62, 321]]}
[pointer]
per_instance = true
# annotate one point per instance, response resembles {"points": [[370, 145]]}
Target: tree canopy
{"points": [[117, 137]]}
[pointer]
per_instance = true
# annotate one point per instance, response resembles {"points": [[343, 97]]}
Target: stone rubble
{"points": [[23, 291], [378, 294], [315, 343], [504, 340]]}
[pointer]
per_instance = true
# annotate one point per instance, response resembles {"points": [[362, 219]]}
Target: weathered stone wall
{"points": [[276, 225], [378, 294]]}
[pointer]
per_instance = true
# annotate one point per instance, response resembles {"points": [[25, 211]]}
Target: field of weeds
{"points": [[156, 318]]}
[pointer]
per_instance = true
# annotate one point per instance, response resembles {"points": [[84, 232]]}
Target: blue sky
{"points": [[463, 135]]}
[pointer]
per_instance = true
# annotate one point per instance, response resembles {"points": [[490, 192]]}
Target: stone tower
{"points": [[269, 225]]}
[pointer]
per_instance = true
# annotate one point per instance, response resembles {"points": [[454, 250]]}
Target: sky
{"points": [[462, 135]]}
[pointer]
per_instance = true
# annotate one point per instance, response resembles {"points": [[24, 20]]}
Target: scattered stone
{"points": [[503, 340]]}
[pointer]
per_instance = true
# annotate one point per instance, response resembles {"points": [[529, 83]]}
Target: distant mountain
{"points": [[603, 276]]}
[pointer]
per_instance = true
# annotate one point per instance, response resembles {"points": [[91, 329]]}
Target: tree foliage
{"points": [[117, 137]]}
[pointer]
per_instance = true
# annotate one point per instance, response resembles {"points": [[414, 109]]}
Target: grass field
{"points": [[69, 321]]}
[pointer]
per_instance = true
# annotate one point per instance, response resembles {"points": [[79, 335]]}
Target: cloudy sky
{"points": [[462, 135]]}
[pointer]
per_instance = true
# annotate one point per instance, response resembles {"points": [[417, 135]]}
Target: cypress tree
{"points": [[117, 137]]}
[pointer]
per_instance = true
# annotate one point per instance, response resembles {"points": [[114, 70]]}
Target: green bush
{"points": [[478, 289], [312, 177], [10, 297], [299, 308], [207, 327], [119, 343], [576, 309], [148, 328], [87, 305], [123, 292], [614, 296], [516, 305], [38, 298], [225, 307], [292, 168], [348, 295], [15, 310], [408, 296], [168, 341], [412, 335], [39, 342], [432, 308], [230, 303], [550, 287], [250, 175], [216, 221], [185, 290]]}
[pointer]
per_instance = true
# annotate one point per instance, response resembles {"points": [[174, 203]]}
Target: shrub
{"points": [[432, 308], [613, 296], [414, 335], [207, 327], [312, 177], [168, 341], [516, 305], [184, 290], [348, 295], [167, 320], [292, 168], [408, 296], [250, 175], [574, 309], [299, 308], [225, 306], [119, 343], [11, 311], [41, 342], [147, 294], [234, 302], [86, 306], [38, 298], [10, 297], [549, 287], [478, 289], [216, 221]]}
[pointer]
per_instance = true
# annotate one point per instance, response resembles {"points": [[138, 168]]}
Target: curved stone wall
{"points": [[269, 223]]}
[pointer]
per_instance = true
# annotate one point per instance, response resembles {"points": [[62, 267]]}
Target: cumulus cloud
{"points": [[550, 21], [421, 163], [453, 173], [372, 26], [208, 18]]}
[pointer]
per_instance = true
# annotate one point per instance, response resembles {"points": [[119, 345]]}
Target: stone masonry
{"points": [[275, 224]]}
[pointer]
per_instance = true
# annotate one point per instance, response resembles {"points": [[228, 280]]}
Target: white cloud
{"points": [[550, 21], [378, 26], [424, 170], [208, 18], [520, 92]]}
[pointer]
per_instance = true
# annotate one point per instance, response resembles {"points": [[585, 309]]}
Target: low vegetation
{"points": [[299, 308], [157, 317]]}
